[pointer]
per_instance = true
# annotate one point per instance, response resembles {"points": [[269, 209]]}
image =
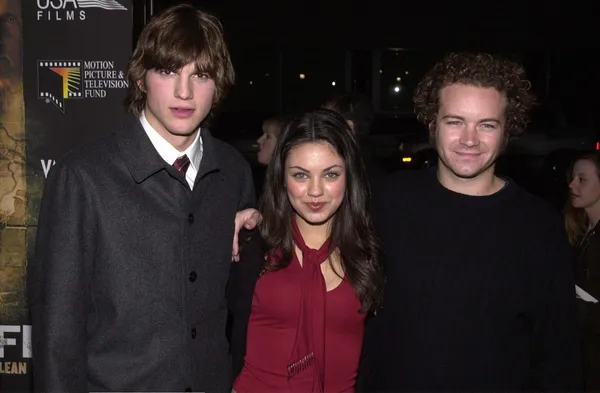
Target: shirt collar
{"points": [[167, 151]]}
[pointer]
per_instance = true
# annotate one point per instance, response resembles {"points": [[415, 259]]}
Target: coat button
{"points": [[193, 276], [193, 332], [191, 218]]}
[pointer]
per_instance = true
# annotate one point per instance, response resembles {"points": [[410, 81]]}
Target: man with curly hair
{"points": [[480, 294]]}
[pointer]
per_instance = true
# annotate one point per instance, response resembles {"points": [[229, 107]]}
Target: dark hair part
{"points": [[356, 108], [481, 70], [174, 38], [352, 229], [576, 219]]}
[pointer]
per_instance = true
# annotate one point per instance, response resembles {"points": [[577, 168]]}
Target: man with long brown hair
{"points": [[135, 232]]}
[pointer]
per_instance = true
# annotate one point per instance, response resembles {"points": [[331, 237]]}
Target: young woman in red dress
{"points": [[309, 277]]}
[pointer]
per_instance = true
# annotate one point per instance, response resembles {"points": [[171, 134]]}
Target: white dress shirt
{"points": [[170, 154]]}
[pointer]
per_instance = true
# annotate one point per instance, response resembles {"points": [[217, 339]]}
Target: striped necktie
{"points": [[182, 164]]}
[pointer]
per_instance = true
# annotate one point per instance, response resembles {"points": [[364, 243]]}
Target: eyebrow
{"points": [[486, 120], [324, 170]]}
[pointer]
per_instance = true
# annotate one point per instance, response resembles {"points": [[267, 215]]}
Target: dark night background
{"points": [[557, 41], [383, 48]]}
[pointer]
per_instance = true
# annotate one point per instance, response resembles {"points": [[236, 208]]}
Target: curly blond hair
{"points": [[482, 70]]}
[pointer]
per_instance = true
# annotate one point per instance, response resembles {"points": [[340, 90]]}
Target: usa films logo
{"points": [[70, 10], [59, 81]]}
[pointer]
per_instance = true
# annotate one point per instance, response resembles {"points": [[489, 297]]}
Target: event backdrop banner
{"points": [[62, 84]]}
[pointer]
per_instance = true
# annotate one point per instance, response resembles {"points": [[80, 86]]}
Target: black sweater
{"points": [[480, 293]]}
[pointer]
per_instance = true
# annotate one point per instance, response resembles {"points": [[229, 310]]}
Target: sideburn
{"points": [[505, 139], [432, 127]]}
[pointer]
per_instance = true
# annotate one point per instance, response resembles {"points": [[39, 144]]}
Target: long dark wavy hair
{"points": [[352, 230]]}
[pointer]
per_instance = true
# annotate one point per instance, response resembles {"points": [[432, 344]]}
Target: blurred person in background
{"points": [[359, 113], [271, 129], [582, 214]]}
